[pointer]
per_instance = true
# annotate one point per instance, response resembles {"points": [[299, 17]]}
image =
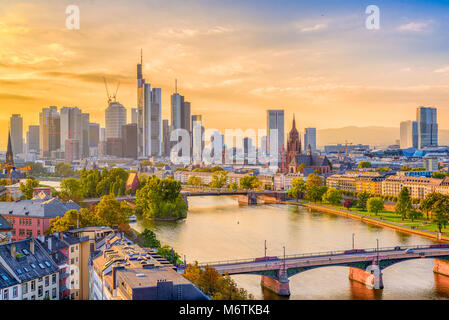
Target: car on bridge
{"points": [[410, 250], [266, 259], [354, 251]]}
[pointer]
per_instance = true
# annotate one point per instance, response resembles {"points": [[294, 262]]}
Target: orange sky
{"points": [[231, 63]]}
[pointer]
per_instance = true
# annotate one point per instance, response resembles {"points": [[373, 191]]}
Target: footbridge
{"points": [[365, 265], [244, 196]]}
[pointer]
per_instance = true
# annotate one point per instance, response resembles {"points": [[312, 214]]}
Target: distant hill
{"points": [[373, 136]]}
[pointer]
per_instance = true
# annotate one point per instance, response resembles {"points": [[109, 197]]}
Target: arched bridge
{"points": [[245, 196], [365, 265]]}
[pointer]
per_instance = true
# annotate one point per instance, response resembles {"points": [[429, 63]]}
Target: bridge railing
{"points": [[313, 254]]}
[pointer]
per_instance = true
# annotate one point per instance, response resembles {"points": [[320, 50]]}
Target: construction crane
{"points": [[111, 97]]}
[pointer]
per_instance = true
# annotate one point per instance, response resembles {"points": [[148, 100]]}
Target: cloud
{"points": [[415, 27], [316, 27], [442, 70]]}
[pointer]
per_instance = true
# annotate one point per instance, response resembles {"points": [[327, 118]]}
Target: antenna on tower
{"points": [[176, 85]]}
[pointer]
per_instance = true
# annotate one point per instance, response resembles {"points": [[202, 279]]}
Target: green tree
{"points": [[169, 254], [314, 189], [112, 182], [298, 188], [71, 219], [362, 200], [404, 203], [37, 169], [148, 239], [332, 196], [161, 199], [64, 170], [364, 164], [71, 189], [414, 214], [405, 168], [111, 212], [89, 181], [233, 186], [27, 187], [375, 205], [219, 179], [440, 213], [249, 183], [194, 181], [428, 202]]}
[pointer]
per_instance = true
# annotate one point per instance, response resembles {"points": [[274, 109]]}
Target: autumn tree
{"points": [[28, 187], [298, 188]]}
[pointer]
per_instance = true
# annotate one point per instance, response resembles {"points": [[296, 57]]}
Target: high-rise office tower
{"points": [[427, 127], [275, 121], [84, 140], [409, 134], [134, 115], [16, 129], [129, 140], [140, 102], [70, 123], [152, 140], [33, 139], [310, 140], [115, 116], [177, 102], [49, 130], [185, 116], [72, 150], [94, 134], [165, 138], [197, 143]]}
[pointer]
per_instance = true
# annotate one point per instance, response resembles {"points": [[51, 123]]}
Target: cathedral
{"points": [[294, 156]]}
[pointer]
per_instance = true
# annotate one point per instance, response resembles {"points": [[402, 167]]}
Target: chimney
{"points": [[32, 246], [13, 250]]}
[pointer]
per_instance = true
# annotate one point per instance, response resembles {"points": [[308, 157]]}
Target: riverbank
{"points": [[372, 220]]}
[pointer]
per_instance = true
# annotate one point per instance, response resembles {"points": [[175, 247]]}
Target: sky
{"points": [[233, 59]]}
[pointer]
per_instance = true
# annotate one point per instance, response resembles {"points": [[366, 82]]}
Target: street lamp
{"points": [[265, 249], [353, 235]]}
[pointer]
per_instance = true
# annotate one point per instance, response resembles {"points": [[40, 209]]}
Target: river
{"points": [[218, 228]]}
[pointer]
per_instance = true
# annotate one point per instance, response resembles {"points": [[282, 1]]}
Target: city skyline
{"points": [[298, 67]]}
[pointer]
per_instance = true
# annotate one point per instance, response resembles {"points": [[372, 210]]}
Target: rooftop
{"points": [[40, 208]]}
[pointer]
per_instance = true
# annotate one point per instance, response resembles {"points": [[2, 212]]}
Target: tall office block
{"points": [[427, 127], [409, 134], [140, 103], [275, 121], [152, 140], [165, 138], [115, 116], [94, 134], [185, 116], [134, 115], [310, 140], [129, 140], [33, 139], [197, 141], [72, 150], [177, 102], [16, 129], [84, 139], [49, 130]]}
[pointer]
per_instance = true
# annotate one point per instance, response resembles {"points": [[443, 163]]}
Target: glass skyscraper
{"points": [[427, 127]]}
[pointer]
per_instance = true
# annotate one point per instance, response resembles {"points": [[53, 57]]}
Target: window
{"points": [[25, 288], [72, 261], [5, 294], [76, 259], [72, 296], [33, 285], [53, 293], [47, 281], [72, 272], [40, 291], [53, 279], [33, 297], [38, 222], [47, 294], [14, 292], [72, 249]]}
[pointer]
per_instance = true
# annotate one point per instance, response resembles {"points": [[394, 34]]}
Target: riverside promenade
{"points": [[370, 219]]}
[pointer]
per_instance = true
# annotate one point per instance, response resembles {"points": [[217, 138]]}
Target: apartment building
{"points": [[121, 270], [27, 272], [418, 187]]}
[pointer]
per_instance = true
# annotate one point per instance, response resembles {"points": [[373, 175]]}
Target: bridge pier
{"points": [[372, 277], [251, 198], [281, 287], [441, 267]]}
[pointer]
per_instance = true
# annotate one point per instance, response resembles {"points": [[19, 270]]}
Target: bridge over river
{"points": [[365, 265]]}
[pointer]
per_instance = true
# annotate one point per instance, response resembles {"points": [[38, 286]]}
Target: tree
{"points": [[249, 182], [413, 213], [111, 212], [89, 181], [364, 164], [161, 199], [314, 189], [168, 254], [298, 188], [215, 285], [332, 196], [440, 212], [148, 239], [362, 200], [27, 187], [64, 170], [219, 179], [72, 219], [348, 204], [428, 202], [194, 181], [405, 168], [233, 186], [301, 167], [375, 205], [71, 189], [112, 182], [404, 203]]}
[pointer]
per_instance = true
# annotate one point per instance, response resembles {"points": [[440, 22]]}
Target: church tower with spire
{"points": [[9, 154], [293, 143]]}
